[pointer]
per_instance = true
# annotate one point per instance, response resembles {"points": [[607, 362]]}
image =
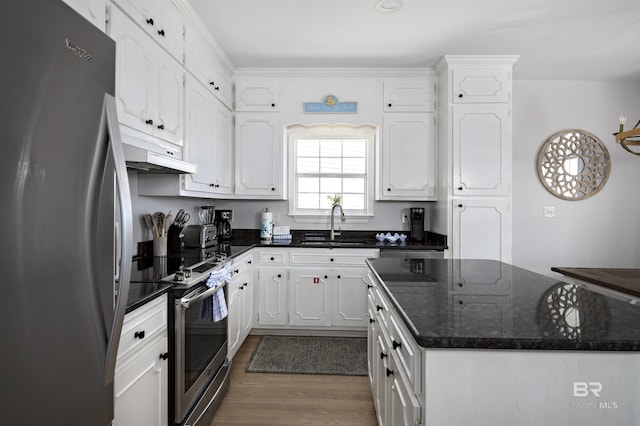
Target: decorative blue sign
{"points": [[330, 105]]}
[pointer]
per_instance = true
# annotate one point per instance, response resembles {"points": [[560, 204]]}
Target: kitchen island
{"points": [[459, 342]]}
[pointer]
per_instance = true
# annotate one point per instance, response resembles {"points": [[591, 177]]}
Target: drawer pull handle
{"points": [[139, 334], [389, 372], [396, 345], [164, 356]]}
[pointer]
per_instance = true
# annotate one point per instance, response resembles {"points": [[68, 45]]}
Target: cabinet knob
{"points": [[339, 276], [383, 355], [216, 88], [371, 320], [389, 105], [396, 345], [369, 286], [459, 284], [170, 153], [164, 356], [235, 271], [389, 372], [460, 302], [279, 275], [325, 277], [460, 205], [331, 259], [161, 126], [139, 334], [389, 189], [249, 262], [150, 21], [150, 122], [212, 83], [460, 95], [273, 189], [273, 105], [379, 308], [273, 258], [460, 188], [161, 32]]}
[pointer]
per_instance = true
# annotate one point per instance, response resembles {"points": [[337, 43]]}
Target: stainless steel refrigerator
{"points": [[66, 218]]}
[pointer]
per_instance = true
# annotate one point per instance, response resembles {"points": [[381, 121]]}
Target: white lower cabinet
{"points": [[240, 302], [395, 361], [141, 379], [313, 288]]}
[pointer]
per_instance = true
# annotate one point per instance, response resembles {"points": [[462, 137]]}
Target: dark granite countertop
{"points": [[486, 304], [619, 279], [348, 239]]}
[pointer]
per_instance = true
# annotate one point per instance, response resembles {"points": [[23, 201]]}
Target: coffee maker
{"points": [[223, 223], [416, 223]]}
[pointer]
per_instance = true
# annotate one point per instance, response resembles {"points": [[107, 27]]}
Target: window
{"points": [[331, 162]]}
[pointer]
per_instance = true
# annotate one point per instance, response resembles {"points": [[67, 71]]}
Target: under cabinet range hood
{"points": [[145, 161]]}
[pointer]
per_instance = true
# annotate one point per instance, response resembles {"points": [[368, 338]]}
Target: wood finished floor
{"points": [[293, 399]]}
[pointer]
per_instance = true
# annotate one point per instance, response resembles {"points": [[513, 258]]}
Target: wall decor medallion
{"points": [[573, 164], [331, 105]]}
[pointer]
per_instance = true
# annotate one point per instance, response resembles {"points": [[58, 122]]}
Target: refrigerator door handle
{"points": [[110, 118]]}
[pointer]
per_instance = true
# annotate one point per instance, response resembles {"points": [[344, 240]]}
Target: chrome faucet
{"points": [[333, 232]]}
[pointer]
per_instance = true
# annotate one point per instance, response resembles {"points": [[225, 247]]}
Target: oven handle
{"points": [[185, 301]]}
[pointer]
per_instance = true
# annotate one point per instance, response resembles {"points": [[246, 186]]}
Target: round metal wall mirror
{"points": [[573, 164]]}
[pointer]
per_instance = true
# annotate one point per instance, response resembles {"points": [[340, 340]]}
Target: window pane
{"points": [[354, 165], [308, 165], [308, 148], [353, 201], [331, 148], [354, 148], [308, 201], [331, 185], [330, 165], [306, 184], [353, 185], [325, 203]]}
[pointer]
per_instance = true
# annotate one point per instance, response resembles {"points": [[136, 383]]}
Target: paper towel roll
{"points": [[266, 226]]}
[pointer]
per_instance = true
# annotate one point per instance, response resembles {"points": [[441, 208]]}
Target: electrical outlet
{"points": [[404, 217], [549, 211]]}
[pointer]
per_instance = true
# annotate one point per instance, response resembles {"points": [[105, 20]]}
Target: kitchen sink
{"points": [[334, 243]]}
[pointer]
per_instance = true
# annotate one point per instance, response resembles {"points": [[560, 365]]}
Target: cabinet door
{"points": [[481, 85], [199, 136], [222, 149], [91, 10], [408, 159], [272, 284], [257, 96], [408, 95], [404, 407], [234, 319], [372, 330], [481, 229], [246, 323], [258, 156], [310, 295], [135, 74], [482, 150], [380, 384], [141, 388], [170, 93], [350, 298]]}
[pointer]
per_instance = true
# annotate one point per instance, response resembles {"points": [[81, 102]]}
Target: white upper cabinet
{"points": [[257, 95], [259, 156], [482, 150], [92, 10], [207, 141], [161, 20], [202, 61], [409, 95], [149, 83], [407, 164], [481, 85]]}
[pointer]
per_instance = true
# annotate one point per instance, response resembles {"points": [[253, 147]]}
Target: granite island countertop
{"points": [[485, 304]]}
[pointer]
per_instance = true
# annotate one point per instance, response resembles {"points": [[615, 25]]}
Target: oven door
{"points": [[200, 348]]}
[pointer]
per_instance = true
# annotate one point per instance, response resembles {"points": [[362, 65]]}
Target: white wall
{"points": [[601, 231]]}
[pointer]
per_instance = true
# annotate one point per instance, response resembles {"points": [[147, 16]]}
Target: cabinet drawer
{"points": [[345, 257], [142, 325], [405, 351], [241, 264], [273, 258]]}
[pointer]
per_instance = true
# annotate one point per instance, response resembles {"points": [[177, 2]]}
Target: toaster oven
{"points": [[200, 236]]}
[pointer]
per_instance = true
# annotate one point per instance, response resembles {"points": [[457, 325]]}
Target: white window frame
{"points": [[336, 132]]}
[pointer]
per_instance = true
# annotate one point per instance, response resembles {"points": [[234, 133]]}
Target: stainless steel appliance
{"points": [[66, 218], [416, 223], [223, 222], [200, 236]]}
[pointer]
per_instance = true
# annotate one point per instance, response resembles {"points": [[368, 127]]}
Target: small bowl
{"points": [[380, 237], [391, 238], [402, 238]]}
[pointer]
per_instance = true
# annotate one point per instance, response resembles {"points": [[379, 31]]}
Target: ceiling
{"points": [[557, 39]]}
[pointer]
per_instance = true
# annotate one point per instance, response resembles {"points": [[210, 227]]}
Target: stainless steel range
{"points": [[200, 366]]}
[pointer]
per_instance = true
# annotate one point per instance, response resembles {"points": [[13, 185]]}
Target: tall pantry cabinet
{"points": [[475, 155]]}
